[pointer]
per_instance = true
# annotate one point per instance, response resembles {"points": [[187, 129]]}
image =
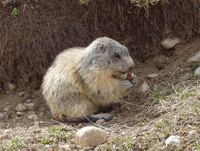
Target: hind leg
{"points": [[72, 110], [84, 111]]}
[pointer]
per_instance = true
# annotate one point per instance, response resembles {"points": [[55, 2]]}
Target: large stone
{"points": [[91, 136], [195, 58], [170, 43], [20, 108]]}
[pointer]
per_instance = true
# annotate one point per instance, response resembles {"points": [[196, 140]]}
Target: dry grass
{"points": [[174, 109]]}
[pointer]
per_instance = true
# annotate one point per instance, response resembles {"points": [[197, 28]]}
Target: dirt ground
{"points": [[135, 125]]}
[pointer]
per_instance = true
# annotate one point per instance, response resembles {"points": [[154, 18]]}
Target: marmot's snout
{"points": [[131, 69], [130, 65]]}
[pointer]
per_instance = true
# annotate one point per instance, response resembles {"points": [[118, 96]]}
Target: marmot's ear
{"points": [[102, 47]]}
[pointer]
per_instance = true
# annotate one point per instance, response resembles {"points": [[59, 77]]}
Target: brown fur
{"points": [[82, 80]]}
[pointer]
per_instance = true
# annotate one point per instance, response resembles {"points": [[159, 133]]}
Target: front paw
{"points": [[134, 80], [96, 117]]}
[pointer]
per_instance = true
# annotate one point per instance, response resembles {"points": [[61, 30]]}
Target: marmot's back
{"points": [[81, 80]]}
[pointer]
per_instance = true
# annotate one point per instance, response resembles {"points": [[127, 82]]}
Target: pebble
{"points": [[91, 136], [36, 123], [160, 62], [30, 106], [197, 72], [33, 117], [11, 87], [195, 58], [6, 109], [153, 75], [161, 135], [20, 113], [29, 101], [143, 88], [21, 94], [41, 114], [173, 140], [30, 112], [192, 132], [20, 108], [170, 43], [2, 116], [65, 147], [100, 121]]}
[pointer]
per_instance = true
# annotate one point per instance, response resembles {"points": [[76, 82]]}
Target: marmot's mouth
{"points": [[124, 76]]}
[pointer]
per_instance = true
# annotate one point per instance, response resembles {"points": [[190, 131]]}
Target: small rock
{"points": [[143, 88], [169, 43], [6, 104], [197, 72], [29, 101], [153, 75], [33, 117], [20, 108], [36, 123], [20, 113], [21, 94], [195, 58], [30, 112], [11, 87], [161, 135], [173, 140], [161, 61], [41, 114], [192, 132], [100, 121], [128, 108], [30, 106], [160, 64], [66, 147], [80, 125], [6, 109], [2, 116], [91, 136]]}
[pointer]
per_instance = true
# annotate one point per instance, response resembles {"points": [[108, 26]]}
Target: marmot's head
{"points": [[110, 55]]}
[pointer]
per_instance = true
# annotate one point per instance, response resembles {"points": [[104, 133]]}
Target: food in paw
{"points": [[129, 76]]}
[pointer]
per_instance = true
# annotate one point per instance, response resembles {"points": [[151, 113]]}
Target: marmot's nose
{"points": [[131, 64]]}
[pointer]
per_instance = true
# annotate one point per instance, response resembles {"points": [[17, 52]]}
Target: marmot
{"points": [[83, 80]]}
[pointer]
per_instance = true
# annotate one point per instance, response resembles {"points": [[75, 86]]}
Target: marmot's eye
{"points": [[117, 55]]}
